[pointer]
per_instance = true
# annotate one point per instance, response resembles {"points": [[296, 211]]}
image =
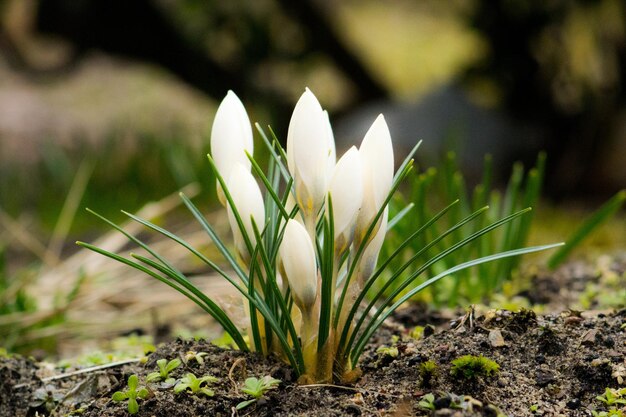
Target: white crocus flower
{"points": [[346, 192], [298, 258], [299, 265], [310, 155], [248, 202], [231, 138], [377, 156]]}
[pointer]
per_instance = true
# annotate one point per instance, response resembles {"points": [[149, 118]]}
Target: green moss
{"points": [[471, 367], [428, 371]]}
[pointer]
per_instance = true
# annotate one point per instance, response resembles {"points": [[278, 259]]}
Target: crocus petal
{"points": [[332, 153], [308, 152], [371, 252], [298, 257], [231, 137], [248, 201], [377, 155], [346, 191]]}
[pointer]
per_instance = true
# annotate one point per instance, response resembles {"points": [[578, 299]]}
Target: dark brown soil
{"points": [[557, 364], [17, 383], [552, 365]]}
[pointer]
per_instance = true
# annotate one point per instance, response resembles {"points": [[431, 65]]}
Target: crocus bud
{"points": [[310, 146], [346, 192], [248, 202], [377, 157], [298, 258], [231, 138]]}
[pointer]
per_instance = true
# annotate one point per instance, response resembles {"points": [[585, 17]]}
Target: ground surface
{"points": [[556, 364], [550, 365]]}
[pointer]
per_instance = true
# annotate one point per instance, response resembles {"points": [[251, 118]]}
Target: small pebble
{"points": [[573, 404], [496, 339], [589, 338], [490, 411], [543, 378], [429, 330]]}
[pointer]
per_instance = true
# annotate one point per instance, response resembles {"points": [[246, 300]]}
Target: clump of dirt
{"points": [[552, 365]]}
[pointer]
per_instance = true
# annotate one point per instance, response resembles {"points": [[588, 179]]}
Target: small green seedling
{"points": [[194, 384], [197, 356], [471, 367], [133, 392], [256, 388], [47, 396], [163, 373], [417, 332], [391, 351], [428, 371], [613, 396], [534, 408], [427, 402]]}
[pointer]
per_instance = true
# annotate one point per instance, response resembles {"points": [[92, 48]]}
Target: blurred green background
{"points": [[108, 104]]}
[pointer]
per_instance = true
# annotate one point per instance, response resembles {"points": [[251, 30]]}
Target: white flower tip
{"points": [[310, 152], [377, 155], [380, 127], [308, 102], [231, 134], [231, 99], [377, 140]]}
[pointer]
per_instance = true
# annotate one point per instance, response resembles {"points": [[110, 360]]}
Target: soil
{"points": [[549, 365], [555, 364]]}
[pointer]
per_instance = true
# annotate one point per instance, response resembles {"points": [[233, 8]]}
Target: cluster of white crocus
{"points": [[355, 186], [306, 248]]}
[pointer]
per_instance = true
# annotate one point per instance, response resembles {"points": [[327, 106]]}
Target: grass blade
{"points": [[596, 219]]}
